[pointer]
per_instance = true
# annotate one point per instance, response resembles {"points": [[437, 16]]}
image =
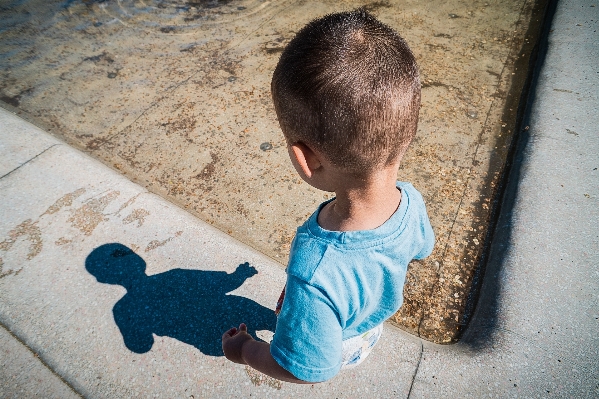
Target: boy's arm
{"points": [[240, 347]]}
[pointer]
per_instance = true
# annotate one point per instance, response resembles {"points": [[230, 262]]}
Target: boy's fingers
{"points": [[230, 332]]}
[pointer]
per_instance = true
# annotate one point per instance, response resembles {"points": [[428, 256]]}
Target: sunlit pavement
{"points": [[66, 328]]}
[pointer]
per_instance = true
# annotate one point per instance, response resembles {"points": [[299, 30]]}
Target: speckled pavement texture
{"points": [[23, 375], [69, 329], [176, 95], [151, 326], [536, 330]]}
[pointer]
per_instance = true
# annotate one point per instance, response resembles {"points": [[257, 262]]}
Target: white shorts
{"points": [[356, 349]]}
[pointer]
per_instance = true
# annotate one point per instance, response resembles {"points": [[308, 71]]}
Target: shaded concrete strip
{"points": [[518, 103]]}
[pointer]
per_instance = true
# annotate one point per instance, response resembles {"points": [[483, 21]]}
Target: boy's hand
{"points": [[233, 341]]}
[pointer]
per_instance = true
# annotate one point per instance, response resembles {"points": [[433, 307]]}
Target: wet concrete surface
{"points": [[175, 94]]}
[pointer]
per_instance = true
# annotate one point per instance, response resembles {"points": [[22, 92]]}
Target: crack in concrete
{"points": [[416, 371], [29, 160]]}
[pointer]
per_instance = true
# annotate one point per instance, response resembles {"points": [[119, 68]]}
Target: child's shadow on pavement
{"points": [[188, 305]]}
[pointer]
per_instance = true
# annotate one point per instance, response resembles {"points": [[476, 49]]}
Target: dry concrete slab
{"points": [[149, 326], [17, 149], [23, 375], [176, 94]]}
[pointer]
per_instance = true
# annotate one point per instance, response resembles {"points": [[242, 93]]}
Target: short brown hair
{"points": [[348, 85]]}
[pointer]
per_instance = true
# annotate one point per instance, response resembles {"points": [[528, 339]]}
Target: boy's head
{"points": [[348, 86]]}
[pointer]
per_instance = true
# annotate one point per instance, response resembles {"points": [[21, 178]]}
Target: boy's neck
{"points": [[362, 204]]}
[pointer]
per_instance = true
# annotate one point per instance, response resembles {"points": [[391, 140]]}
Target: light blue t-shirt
{"points": [[342, 284]]}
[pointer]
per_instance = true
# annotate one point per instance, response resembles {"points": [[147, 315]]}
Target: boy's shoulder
{"points": [[312, 244], [306, 253], [408, 188]]}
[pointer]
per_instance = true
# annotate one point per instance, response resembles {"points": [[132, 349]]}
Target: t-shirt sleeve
{"points": [[427, 234], [308, 337]]}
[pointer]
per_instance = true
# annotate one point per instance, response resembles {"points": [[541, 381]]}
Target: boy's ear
{"points": [[306, 159]]}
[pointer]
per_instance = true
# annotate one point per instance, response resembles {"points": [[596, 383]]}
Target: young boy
{"points": [[347, 95]]}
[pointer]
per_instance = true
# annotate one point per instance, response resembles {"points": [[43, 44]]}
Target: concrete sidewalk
{"points": [[58, 206], [66, 329]]}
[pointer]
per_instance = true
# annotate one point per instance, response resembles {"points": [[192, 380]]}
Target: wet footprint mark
{"points": [[65, 200], [62, 241], [33, 234], [31, 231], [90, 215], [137, 215], [257, 378], [85, 218], [157, 243]]}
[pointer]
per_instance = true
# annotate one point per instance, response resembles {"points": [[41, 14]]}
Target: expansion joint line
{"points": [[416, 371], [38, 357], [29, 160]]}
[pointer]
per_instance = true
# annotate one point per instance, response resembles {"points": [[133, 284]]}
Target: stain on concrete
{"points": [[242, 210], [65, 200], [8, 273], [137, 215], [15, 100], [103, 59], [11, 100], [208, 172], [184, 124], [158, 243], [282, 242], [126, 204], [95, 144], [277, 45], [90, 215], [375, 6]]}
